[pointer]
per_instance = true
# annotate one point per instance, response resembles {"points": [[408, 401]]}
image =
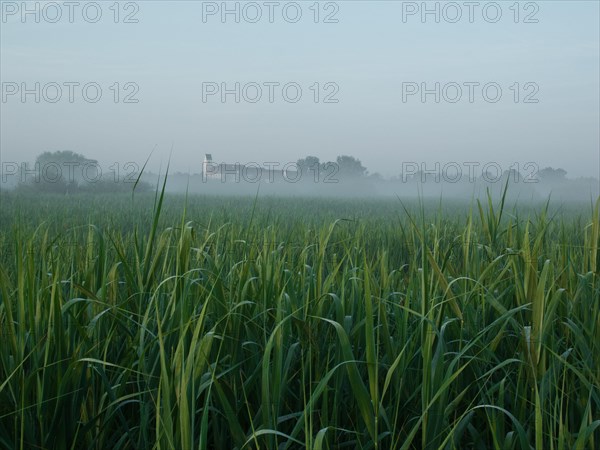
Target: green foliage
{"points": [[350, 167], [67, 172], [169, 322], [308, 163]]}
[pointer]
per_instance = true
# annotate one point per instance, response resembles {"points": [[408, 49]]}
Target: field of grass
{"points": [[229, 323]]}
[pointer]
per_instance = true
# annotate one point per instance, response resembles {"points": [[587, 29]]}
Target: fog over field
{"points": [[392, 84], [69, 173], [314, 224]]}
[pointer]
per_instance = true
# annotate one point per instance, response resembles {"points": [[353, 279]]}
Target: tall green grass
{"points": [[163, 322]]}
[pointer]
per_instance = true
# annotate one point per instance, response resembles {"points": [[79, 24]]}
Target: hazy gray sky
{"points": [[370, 57]]}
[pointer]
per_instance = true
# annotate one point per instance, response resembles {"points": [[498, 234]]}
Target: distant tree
{"points": [[72, 165], [66, 171], [350, 167], [309, 167], [512, 175], [63, 156], [376, 176], [311, 162], [552, 175], [59, 171]]}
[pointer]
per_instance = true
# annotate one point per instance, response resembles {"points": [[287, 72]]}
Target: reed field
{"points": [[154, 321]]}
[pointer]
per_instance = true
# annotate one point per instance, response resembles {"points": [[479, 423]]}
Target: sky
{"points": [[335, 78]]}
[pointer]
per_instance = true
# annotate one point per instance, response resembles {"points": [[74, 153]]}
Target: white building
{"points": [[250, 172]]}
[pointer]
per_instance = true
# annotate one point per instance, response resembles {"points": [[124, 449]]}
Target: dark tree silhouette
{"points": [[350, 167]]}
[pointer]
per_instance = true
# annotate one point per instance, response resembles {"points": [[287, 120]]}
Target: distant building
{"points": [[207, 160], [250, 172]]}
